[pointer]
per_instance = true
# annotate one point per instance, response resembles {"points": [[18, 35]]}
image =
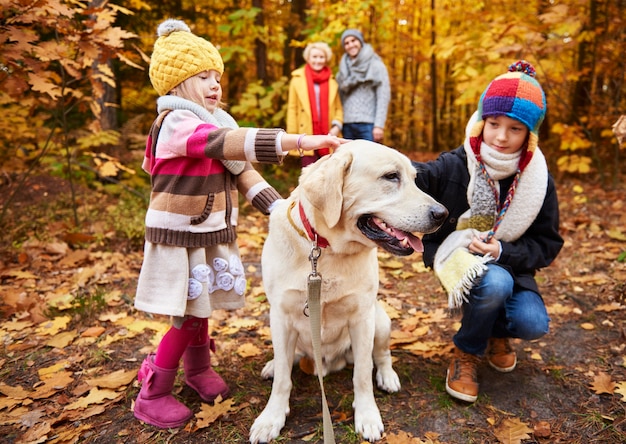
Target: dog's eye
{"points": [[394, 176]]}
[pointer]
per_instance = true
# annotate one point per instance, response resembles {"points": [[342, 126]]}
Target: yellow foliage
{"points": [[574, 164]]}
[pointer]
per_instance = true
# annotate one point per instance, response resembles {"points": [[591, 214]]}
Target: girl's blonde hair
{"points": [[190, 89], [318, 45]]}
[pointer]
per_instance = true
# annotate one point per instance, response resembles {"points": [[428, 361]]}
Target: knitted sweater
{"points": [[364, 88], [194, 198]]}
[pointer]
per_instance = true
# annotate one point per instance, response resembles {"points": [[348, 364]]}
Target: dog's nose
{"points": [[438, 213]]}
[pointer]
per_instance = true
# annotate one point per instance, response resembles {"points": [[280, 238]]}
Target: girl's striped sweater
{"points": [[194, 198]]}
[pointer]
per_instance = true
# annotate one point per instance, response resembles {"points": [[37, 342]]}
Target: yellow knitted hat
{"points": [[178, 54]]}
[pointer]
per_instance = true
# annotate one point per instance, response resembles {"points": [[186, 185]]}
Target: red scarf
{"points": [[320, 122]]}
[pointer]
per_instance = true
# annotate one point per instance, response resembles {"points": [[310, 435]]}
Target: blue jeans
{"points": [[358, 131], [499, 309]]}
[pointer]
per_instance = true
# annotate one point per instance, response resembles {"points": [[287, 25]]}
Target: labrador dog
{"points": [[359, 198]]}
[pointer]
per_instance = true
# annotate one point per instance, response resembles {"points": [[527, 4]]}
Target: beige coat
{"points": [[299, 118]]}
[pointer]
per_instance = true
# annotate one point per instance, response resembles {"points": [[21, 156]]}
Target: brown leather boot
{"points": [[501, 355], [462, 379]]}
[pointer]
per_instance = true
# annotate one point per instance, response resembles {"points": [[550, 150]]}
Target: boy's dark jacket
{"points": [[446, 179]]}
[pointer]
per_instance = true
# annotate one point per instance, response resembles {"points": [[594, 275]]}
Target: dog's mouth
{"points": [[395, 241]]}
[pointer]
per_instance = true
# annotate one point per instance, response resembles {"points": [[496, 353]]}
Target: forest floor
{"points": [[72, 341]]}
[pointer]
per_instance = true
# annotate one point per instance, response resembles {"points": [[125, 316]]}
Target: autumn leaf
{"points": [[391, 263], [403, 438], [95, 396], [237, 324], [210, 413], [115, 380], [16, 392], [93, 332], [52, 385], [53, 326], [37, 433], [419, 267], [512, 431], [248, 350], [18, 274], [48, 372], [542, 429], [536, 356], [438, 316], [610, 307], [43, 85], [602, 383], [62, 340], [558, 308], [391, 311], [617, 234]]}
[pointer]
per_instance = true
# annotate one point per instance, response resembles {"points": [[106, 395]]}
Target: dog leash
{"points": [[312, 309]]}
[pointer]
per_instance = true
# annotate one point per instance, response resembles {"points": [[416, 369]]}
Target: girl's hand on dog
{"points": [[306, 142]]}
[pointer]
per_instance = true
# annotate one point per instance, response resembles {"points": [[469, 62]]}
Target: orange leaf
{"points": [[115, 380], [95, 396], [512, 431], [42, 85], [209, 414], [603, 383]]}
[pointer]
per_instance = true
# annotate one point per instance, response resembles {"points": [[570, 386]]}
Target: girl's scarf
{"points": [[354, 72], [459, 270], [219, 118], [319, 108]]}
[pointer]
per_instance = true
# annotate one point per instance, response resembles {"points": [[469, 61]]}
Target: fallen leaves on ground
{"points": [[68, 315]]}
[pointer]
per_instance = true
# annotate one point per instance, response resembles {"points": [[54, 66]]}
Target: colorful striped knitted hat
{"points": [[178, 55], [515, 94]]}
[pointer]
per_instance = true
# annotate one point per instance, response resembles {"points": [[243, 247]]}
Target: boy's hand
{"points": [[479, 246]]}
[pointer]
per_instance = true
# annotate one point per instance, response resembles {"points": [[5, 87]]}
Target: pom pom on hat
{"points": [[517, 95], [353, 33], [179, 54]]}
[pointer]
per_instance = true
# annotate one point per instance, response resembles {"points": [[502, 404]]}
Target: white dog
{"points": [[360, 197]]}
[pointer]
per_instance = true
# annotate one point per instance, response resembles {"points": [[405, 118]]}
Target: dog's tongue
{"points": [[414, 241]]}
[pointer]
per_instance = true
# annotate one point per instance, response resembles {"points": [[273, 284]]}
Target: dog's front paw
{"points": [[369, 424], [268, 370], [266, 427], [387, 379]]}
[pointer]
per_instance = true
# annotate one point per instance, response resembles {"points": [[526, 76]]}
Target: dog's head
{"points": [[365, 193]]}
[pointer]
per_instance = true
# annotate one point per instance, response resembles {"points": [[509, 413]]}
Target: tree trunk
{"points": [[260, 48]]}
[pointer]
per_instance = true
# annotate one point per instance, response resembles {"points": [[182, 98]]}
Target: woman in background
{"points": [[314, 105]]}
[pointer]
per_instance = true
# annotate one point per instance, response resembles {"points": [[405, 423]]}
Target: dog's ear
{"points": [[322, 184]]}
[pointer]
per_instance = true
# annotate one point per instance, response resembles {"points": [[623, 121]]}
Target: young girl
{"points": [[198, 160], [503, 226], [314, 105]]}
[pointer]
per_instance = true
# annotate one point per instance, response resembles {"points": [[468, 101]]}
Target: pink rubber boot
{"points": [[200, 376], [155, 403]]}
